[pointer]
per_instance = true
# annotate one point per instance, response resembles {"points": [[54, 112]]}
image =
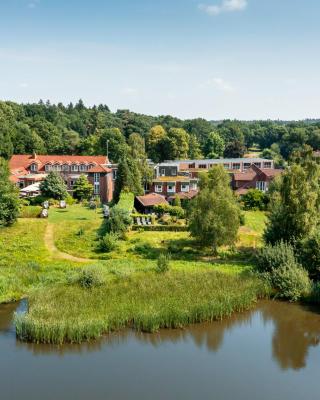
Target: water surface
{"points": [[269, 353]]}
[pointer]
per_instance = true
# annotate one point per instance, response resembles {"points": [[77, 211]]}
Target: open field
{"points": [[26, 262]]}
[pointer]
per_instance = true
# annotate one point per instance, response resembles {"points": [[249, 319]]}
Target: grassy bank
{"points": [[145, 301]]}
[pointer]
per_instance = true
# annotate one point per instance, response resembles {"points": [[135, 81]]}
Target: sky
{"points": [[216, 59]]}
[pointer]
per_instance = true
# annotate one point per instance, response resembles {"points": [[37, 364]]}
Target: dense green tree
{"points": [[82, 189], [234, 149], [53, 187], [112, 140], [178, 144], [194, 148], [128, 177], [9, 197], [214, 214], [156, 143], [295, 203], [214, 146]]}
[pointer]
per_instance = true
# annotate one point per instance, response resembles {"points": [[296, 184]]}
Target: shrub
{"points": [[30, 212], [89, 278], [174, 211], [273, 257], [163, 263], [308, 254], [291, 281], [70, 200], [314, 296], [118, 222], [108, 243], [254, 199], [37, 201]]}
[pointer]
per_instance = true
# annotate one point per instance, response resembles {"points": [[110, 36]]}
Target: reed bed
{"points": [[145, 302]]}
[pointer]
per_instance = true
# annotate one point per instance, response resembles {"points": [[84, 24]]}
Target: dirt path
{"points": [[49, 242]]}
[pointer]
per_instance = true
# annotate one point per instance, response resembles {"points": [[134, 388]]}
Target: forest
{"points": [[47, 128]]}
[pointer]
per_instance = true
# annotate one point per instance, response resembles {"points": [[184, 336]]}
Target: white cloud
{"points": [[225, 6], [220, 84]]}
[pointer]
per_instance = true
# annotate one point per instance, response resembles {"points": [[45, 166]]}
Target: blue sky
{"points": [[245, 59]]}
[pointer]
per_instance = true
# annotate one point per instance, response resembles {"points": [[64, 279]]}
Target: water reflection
{"points": [[295, 330]]}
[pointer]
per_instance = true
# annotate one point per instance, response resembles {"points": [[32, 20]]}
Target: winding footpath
{"points": [[55, 252]]}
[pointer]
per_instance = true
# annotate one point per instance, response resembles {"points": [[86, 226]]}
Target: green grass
{"points": [[144, 302], [198, 287]]}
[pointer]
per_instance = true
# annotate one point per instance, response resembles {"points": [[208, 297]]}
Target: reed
{"points": [[145, 301]]}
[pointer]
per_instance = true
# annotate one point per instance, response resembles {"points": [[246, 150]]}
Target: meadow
{"points": [[28, 268]]}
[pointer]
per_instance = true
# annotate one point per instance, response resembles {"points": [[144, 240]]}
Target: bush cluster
{"points": [[281, 269], [163, 263], [108, 243], [174, 211], [89, 277]]}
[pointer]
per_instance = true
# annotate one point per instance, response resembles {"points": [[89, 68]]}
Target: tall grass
{"points": [[145, 301]]}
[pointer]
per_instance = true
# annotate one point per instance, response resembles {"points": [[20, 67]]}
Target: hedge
{"points": [[126, 201]]}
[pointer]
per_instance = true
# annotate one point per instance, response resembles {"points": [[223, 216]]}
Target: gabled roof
{"points": [[24, 160], [100, 168], [152, 199]]}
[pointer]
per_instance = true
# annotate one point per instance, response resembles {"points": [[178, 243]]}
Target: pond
{"points": [[269, 353]]}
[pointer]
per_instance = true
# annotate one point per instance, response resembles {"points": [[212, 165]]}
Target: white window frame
{"points": [[83, 167], [65, 167], [173, 189], [162, 172], [34, 167], [48, 167], [261, 185], [158, 188], [185, 187], [96, 178], [267, 164], [96, 188], [193, 186], [74, 168], [236, 166]]}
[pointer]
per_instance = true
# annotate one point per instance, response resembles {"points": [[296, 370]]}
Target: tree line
{"points": [[47, 128]]}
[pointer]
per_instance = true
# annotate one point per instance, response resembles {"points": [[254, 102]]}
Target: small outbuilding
{"points": [[145, 204]]}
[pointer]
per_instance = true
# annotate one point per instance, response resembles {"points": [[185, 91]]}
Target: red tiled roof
{"points": [[100, 168], [185, 195], [244, 176], [151, 199], [271, 172], [24, 160]]}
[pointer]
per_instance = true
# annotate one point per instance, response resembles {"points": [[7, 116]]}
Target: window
{"points": [[162, 172], [158, 188], [65, 168], [267, 164], [202, 166], [236, 166], [34, 167], [257, 164], [114, 174], [83, 167], [96, 188], [193, 186], [246, 165], [226, 166], [72, 183], [184, 187], [174, 172], [74, 167], [48, 168], [96, 178], [261, 186], [57, 167], [171, 188]]}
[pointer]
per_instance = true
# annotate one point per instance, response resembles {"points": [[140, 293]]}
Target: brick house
{"points": [[29, 169], [253, 178]]}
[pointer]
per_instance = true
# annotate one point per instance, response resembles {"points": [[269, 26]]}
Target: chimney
{"points": [[34, 155]]}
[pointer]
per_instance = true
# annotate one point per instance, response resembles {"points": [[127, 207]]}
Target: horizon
{"points": [[219, 59]]}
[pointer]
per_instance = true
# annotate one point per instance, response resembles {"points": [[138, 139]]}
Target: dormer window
{"points": [[74, 168], [83, 167], [48, 167], [34, 167]]}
